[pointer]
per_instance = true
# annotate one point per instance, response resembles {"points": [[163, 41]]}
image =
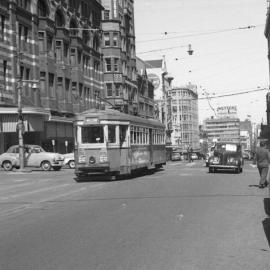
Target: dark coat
{"points": [[262, 157]]}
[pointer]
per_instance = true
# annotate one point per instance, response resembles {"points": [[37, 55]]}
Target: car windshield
{"points": [[36, 149]]}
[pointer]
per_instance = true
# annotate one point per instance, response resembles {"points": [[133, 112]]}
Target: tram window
{"points": [[111, 134], [92, 134], [123, 134]]}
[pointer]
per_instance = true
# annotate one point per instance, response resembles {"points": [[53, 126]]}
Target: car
{"points": [[207, 157], [35, 156], [194, 156], [226, 156], [69, 160], [176, 156], [247, 155]]}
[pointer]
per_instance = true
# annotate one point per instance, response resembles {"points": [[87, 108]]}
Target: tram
{"points": [[112, 143]]}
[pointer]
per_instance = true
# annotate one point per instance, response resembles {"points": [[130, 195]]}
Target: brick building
{"points": [[54, 48], [120, 75]]}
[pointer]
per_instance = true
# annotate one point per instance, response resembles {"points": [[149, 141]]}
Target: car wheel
{"points": [[71, 164], [57, 168], [7, 165], [210, 170], [46, 166]]}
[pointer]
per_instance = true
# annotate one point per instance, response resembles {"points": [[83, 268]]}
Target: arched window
{"points": [[42, 9], [73, 28], [59, 19]]}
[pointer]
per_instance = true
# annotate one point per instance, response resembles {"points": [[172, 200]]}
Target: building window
{"points": [[51, 85], [50, 45], [42, 79], [25, 4], [117, 89], [73, 57], [116, 64], [5, 73], [41, 38], [106, 39], [81, 91], [108, 64], [109, 89], [106, 14], [67, 82], [42, 9], [23, 37], [2, 27], [84, 9], [65, 50], [58, 50], [115, 39]]}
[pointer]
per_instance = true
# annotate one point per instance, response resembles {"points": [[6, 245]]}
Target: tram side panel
{"points": [[140, 157], [159, 154]]}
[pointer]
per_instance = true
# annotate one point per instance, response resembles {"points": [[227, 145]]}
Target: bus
{"points": [[112, 143]]}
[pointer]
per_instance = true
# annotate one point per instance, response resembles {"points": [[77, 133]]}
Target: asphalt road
{"points": [[179, 218]]}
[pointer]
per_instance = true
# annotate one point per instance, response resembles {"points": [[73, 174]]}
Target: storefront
{"points": [[33, 119], [58, 135]]}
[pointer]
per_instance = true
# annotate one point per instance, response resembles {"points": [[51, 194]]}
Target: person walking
{"points": [[262, 158]]}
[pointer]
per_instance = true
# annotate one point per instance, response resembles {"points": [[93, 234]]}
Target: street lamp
{"points": [[20, 124]]}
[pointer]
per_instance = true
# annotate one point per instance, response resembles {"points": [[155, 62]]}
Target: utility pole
{"points": [[20, 124]]}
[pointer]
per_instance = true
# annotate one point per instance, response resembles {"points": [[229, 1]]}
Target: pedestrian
{"points": [[262, 158]]}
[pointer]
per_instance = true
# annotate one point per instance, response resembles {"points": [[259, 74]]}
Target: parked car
{"points": [[176, 156], [227, 156], [69, 160], [35, 156]]}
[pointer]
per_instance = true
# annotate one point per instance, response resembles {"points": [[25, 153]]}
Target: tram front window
{"points": [[92, 134]]}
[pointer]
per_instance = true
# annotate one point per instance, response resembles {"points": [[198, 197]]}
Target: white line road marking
{"points": [[33, 205], [33, 192]]}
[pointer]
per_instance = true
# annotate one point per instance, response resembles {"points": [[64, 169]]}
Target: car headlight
{"points": [[82, 158], [103, 158]]}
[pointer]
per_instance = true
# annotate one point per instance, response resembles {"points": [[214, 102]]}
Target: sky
{"points": [[230, 50]]}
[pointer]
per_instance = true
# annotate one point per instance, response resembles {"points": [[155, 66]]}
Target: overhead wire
{"points": [[203, 33]]}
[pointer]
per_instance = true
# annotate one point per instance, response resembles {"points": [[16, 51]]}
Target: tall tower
{"points": [[120, 74]]}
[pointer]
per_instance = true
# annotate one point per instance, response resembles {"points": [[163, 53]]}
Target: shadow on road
{"points": [[102, 178]]}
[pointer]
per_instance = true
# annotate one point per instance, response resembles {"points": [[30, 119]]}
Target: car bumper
{"points": [[224, 167]]}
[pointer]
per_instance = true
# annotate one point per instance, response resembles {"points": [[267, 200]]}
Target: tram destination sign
{"points": [[91, 120]]}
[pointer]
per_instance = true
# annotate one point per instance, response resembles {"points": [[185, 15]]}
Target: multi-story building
{"points": [[120, 76], [246, 134], [52, 49], [185, 121], [145, 91], [222, 129], [227, 111]]}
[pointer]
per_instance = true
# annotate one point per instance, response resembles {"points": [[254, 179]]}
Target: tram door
{"points": [[124, 146], [151, 145]]}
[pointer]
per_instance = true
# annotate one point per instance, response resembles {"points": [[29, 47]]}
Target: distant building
{"points": [[185, 123], [146, 107], [222, 129], [246, 134], [227, 112]]}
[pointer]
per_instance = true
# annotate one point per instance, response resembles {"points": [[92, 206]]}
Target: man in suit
{"points": [[262, 158]]}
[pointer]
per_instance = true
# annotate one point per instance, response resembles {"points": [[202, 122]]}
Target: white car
{"points": [[69, 160], [35, 156]]}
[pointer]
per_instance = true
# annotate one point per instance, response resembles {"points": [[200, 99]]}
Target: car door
{"points": [[33, 156]]}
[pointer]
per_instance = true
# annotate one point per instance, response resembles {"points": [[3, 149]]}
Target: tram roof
{"points": [[114, 115]]}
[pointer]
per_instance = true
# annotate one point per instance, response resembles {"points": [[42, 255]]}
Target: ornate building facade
{"points": [[120, 74], [52, 50]]}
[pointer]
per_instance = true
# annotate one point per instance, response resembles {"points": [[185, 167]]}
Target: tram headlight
{"points": [[82, 159], [103, 158]]}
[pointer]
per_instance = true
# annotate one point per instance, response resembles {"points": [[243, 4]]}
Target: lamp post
{"points": [[20, 124]]}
